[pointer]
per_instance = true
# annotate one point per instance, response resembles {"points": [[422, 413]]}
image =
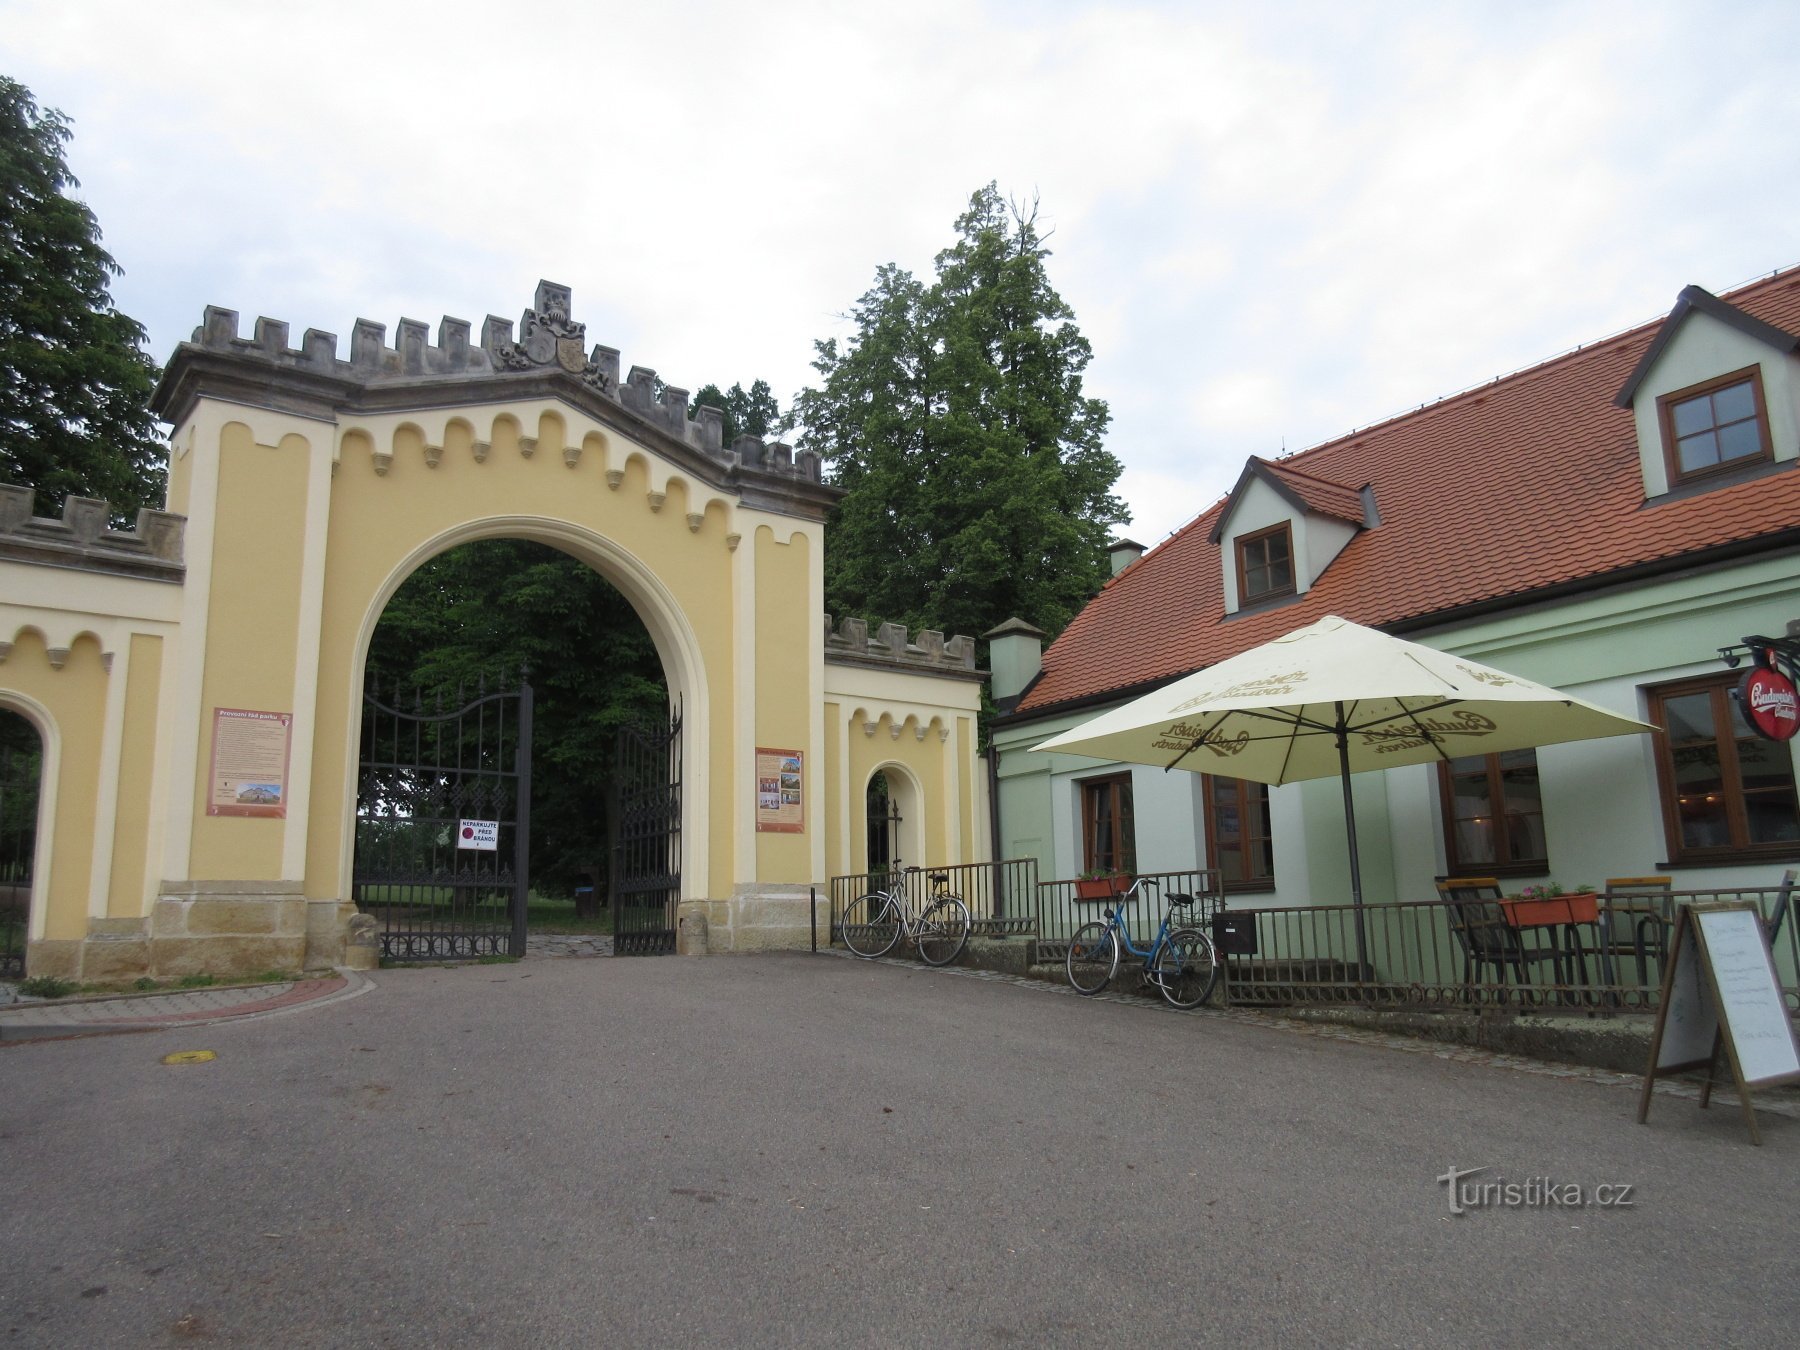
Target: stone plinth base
{"points": [[760, 918], [227, 928]]}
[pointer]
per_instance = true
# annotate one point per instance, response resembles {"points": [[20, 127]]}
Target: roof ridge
{"points": [[1730, 297]]}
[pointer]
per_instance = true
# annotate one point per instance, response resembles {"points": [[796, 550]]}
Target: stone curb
{"points": [[110, 1015]]}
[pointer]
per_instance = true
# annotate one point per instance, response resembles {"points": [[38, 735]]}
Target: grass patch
{"points": [[196, 982], [47, 986]]}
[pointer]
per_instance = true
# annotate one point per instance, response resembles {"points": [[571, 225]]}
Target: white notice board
{"points": [[1750, 1003], [1688, 1021]]}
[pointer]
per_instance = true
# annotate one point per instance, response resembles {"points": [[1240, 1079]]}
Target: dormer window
{"points": [[1715, 427], [1265, 564]]}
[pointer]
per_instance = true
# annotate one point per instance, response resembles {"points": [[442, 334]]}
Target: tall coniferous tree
{"points": [[978, 485], [74, 382]]}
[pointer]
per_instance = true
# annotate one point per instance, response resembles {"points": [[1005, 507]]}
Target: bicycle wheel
{"points": [[1186, 969], [942, 931], [870, 926], [1093, 957]]}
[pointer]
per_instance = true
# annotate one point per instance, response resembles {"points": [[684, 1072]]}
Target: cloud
{"points": [[1273, 222]]}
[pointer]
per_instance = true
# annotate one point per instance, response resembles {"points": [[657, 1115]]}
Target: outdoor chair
{"points": [[1481, 930], [1635, 919]]}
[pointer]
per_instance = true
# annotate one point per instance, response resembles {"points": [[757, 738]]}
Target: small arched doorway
{"points": [[21, 772]]}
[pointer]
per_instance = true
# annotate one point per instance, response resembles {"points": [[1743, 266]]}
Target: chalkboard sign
{"points": [[1720, 991]]}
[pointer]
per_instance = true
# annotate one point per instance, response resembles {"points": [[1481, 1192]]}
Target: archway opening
{"points": [[21, 772], [460, 636], [884, 823]]}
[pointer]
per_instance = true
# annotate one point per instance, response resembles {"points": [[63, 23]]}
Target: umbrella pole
{"points": [[1356, 895]]}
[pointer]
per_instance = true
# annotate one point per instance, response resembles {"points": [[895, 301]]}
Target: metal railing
{"points": [[1060, 910], [1001, 896], [1431, 955]]}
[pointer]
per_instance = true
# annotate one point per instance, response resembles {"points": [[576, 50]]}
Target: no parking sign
{"points": [[481, 834]]}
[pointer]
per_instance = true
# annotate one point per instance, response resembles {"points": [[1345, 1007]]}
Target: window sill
{"points": [[1734, 859]]}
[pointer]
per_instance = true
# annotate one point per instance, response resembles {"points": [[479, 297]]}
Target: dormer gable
{"points": [[1715, 398], [1281, 528]]}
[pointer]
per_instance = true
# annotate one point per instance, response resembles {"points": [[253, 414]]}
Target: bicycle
{"points": [[1180, 963], [875, 922]]}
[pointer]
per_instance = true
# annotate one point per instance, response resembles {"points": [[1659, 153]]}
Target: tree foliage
{"points": [[748, 412], [978, 485], [484, 610], [74, 382]]}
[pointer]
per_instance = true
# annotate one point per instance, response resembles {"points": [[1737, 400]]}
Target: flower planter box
{"points": [[1542, 911], [1101, 888]]}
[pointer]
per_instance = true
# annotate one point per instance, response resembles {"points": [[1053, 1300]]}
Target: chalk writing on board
{"points": [[1749, 995]]}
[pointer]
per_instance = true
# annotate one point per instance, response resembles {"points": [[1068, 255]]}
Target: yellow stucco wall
{"points": [[252, 629], [74, 699], [783, 721], [132, 842]]}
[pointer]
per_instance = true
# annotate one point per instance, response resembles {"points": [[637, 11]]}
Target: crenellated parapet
{"points": [[849, 644], [548, 357], [82, 539]]}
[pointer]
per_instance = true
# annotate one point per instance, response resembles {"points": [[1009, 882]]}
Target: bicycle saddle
{"points": [[1176, 898], [940, 878]]}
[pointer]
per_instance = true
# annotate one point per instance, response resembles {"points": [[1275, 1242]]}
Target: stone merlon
{"points": [[849, 644], [81, 539], [548, 358]]}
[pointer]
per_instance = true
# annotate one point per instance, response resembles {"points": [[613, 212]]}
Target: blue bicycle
{"points": [[1181, 962]]}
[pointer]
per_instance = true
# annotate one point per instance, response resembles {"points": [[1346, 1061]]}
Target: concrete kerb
{"points": [[115, 1014]]}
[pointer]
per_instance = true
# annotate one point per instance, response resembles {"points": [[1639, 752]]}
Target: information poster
{"points": [[249, 763], [779, 791]]}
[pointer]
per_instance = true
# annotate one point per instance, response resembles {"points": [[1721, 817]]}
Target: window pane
{"points": [[1692, 415], [1689, 718], [1474, 842], [1733, 404], [1697, 452], [1526, 835], [1281, 575], [1741, 440], [1774, 817]]}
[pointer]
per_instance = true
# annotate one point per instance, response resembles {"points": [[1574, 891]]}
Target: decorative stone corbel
{"points": [[868, 727], [481, 449], [732, 540], [943, 733], [918, 733], [695, 520], [894, 730], [106, 659], [528, 446], [433, 453], [571, 455], [5, 650], [58, 656], [656, 500], [384, 460], [614, 477]]}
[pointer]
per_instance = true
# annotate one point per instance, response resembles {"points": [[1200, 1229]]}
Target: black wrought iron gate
{"points": [[645, 824], [443, 823], [21, 765]]}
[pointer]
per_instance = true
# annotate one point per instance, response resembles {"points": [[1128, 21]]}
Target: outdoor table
{"points": [[1563, 915]]}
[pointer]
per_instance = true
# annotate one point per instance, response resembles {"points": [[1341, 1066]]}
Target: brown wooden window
{"points": [[1715, 427], [1238, 843], [1109, 843], [1265, 564], [1493, 815], [1727, 793]]}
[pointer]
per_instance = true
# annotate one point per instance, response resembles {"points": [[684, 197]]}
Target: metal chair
{"points": [[1480, 927], [1635, 920]]}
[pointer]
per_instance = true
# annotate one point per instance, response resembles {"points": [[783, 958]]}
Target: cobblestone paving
{"points": [[1784, 1104], [568, 944]]}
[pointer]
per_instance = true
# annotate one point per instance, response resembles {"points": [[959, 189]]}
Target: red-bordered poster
{"points": [[780, 791], [249, 763]]}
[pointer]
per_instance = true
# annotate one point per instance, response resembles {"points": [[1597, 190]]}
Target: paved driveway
{"points": [[799, 1150]]}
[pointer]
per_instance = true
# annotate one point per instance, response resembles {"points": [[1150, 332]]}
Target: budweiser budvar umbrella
{"points": [[1337, 698]]}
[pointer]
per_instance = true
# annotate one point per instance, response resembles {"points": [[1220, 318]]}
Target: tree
{"points": [[754, 412], [978, 485], [74, 382]]}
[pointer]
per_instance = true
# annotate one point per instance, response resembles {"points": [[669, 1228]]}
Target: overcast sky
{"points": [[1274, 222]]}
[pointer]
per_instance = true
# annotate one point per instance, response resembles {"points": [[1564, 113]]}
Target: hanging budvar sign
{"points": [[1769, 703]]}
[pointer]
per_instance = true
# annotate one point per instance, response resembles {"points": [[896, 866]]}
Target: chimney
{"points": [[1015, 656], [1123, 553]]}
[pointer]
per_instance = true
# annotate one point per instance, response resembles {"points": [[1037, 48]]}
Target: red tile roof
{"points": [[1519, 486]]}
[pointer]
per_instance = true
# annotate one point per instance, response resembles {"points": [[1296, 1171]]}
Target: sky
{"points": [[1275, 222]]}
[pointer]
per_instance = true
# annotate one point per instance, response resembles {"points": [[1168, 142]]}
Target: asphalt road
{"points": [[798, 1150]]}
